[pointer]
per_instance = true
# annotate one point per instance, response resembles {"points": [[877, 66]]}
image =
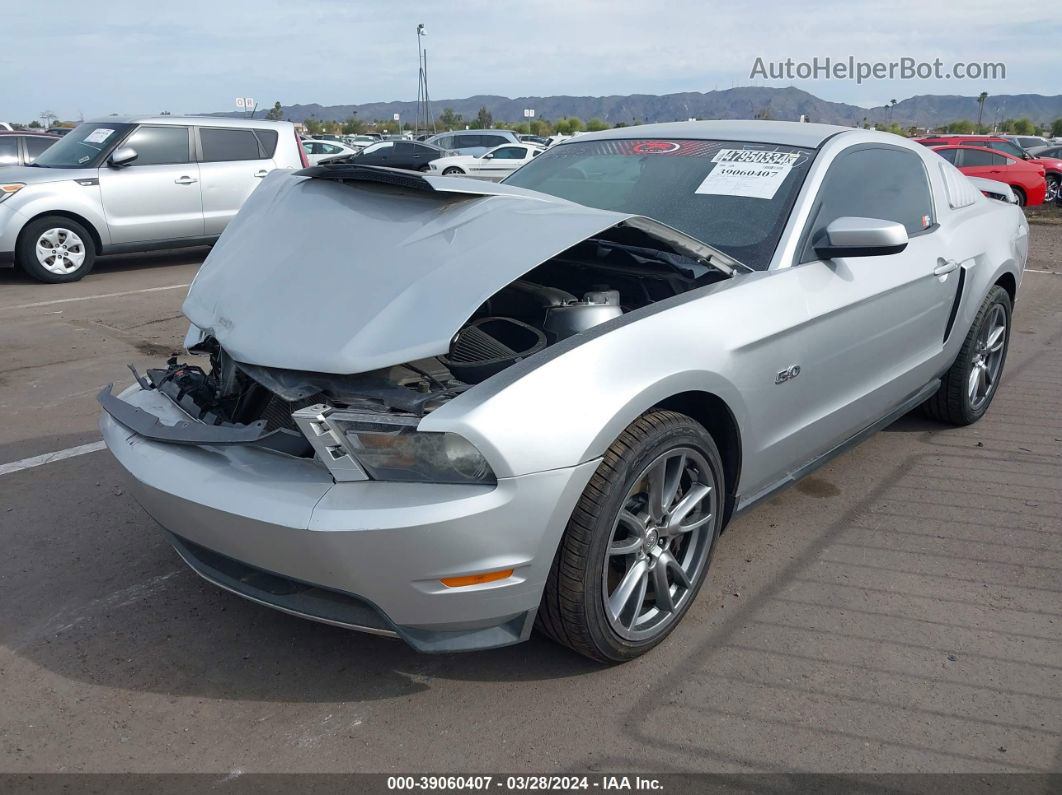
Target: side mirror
{"points": [[862, 237], [488, 157], [122, 156]]}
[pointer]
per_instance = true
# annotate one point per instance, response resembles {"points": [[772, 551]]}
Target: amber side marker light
{"points": [[476, 579]]}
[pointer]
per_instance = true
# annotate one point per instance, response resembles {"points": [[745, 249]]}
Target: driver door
{"points": [[876, 325], [158, 196]]}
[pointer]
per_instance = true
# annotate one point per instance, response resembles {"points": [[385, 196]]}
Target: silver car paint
{"points": [[867, 334]]}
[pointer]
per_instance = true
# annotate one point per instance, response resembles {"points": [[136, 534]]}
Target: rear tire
{"points": [[634, 554], [1019, 194], [54, 249], [1054, 181], [967, 389]]}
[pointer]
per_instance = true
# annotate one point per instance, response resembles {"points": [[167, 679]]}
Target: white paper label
{"points": [[747, 172], [98, 136]]}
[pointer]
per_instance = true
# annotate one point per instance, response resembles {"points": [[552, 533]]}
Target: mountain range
{"points": [[926, 110]]}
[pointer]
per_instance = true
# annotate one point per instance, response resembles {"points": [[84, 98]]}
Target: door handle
{"points": [[261, 173], [945, 267], [184, 181]]}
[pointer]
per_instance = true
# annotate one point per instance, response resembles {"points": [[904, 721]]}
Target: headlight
{"points": [[10, 189], [356, 445]]}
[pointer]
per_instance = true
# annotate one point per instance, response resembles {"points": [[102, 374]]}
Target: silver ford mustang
{"points": [[452, 411]]}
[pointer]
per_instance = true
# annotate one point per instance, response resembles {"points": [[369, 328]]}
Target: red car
{"points": [[1025, 178], [1052, 165]]}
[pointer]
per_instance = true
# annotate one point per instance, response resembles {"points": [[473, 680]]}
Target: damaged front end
{"points": [[450, 283]]}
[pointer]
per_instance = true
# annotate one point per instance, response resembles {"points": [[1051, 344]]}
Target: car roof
{"points": [[28, 132], [961, 137], [209, 121], [472, 132], [789, 133]]}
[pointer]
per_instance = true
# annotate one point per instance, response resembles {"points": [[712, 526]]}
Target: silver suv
{"points": [[472, 142], [135, 184]]}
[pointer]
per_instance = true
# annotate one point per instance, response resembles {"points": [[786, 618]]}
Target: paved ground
{"points": [[899, 611]]}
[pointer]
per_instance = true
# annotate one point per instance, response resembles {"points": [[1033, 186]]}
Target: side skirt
{"points": [[158, 245], [919, 397]]}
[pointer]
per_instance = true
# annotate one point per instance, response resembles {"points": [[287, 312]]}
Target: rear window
{"points": [[267, 141], [228, 143], [468, 141], [978, 157], [733, 195]]}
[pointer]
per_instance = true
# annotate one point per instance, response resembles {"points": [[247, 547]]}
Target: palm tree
{"points": [[888, 110], [980, 107]]}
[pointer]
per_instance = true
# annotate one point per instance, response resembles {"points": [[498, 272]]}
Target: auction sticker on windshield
{"points": [[98, 136], [748, 172]]}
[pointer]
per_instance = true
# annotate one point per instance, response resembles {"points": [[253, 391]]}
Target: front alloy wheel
{"points": [[659, 544], [639, 542]]}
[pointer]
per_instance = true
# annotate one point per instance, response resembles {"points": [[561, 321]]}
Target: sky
{"points": [[81, 60]]}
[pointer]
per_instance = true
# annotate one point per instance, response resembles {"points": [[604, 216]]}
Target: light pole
{"points": [[422, 84]]}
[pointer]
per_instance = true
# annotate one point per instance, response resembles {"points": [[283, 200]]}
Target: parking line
{"points": [[1033, 270], [92, 297], [47, 458]]}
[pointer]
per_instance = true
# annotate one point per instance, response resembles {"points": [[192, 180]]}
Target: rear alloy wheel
{"points": [[1053, 182], [452, 171], [55, 249], [967, 389], [639, 542]]}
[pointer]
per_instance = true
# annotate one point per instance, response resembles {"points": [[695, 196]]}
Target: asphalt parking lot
{"points": [[900, 610]]}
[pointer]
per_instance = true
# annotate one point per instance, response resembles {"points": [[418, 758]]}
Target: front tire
{"points": [[55, 249], [452, 171], [1019, 194], [639, 543], [967, 389]]}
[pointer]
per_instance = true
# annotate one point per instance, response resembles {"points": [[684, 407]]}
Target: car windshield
{"points": [[84, 147], [733, 195]]}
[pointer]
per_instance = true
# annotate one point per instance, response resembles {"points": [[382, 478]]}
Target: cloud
{"points": [[198, 56]]}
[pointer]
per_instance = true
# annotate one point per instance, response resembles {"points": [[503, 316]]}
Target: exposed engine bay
{"points": [[591, 283]]}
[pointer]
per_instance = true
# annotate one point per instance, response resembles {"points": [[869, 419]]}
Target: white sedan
{"points": [[496, 164], [316, 151]]}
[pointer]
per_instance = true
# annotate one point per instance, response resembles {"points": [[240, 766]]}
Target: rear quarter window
{"points": [[267, 142], [228, 143]]}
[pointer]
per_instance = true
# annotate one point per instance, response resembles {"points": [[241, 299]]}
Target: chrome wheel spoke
{"points": [[630, 584], [697, 493], [971, 387], [996, 337], [670, 562], [674, 470], [657, 476], [662, 588]]}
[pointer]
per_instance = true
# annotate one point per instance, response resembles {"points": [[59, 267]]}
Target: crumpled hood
{"points": [[347, 277]]}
